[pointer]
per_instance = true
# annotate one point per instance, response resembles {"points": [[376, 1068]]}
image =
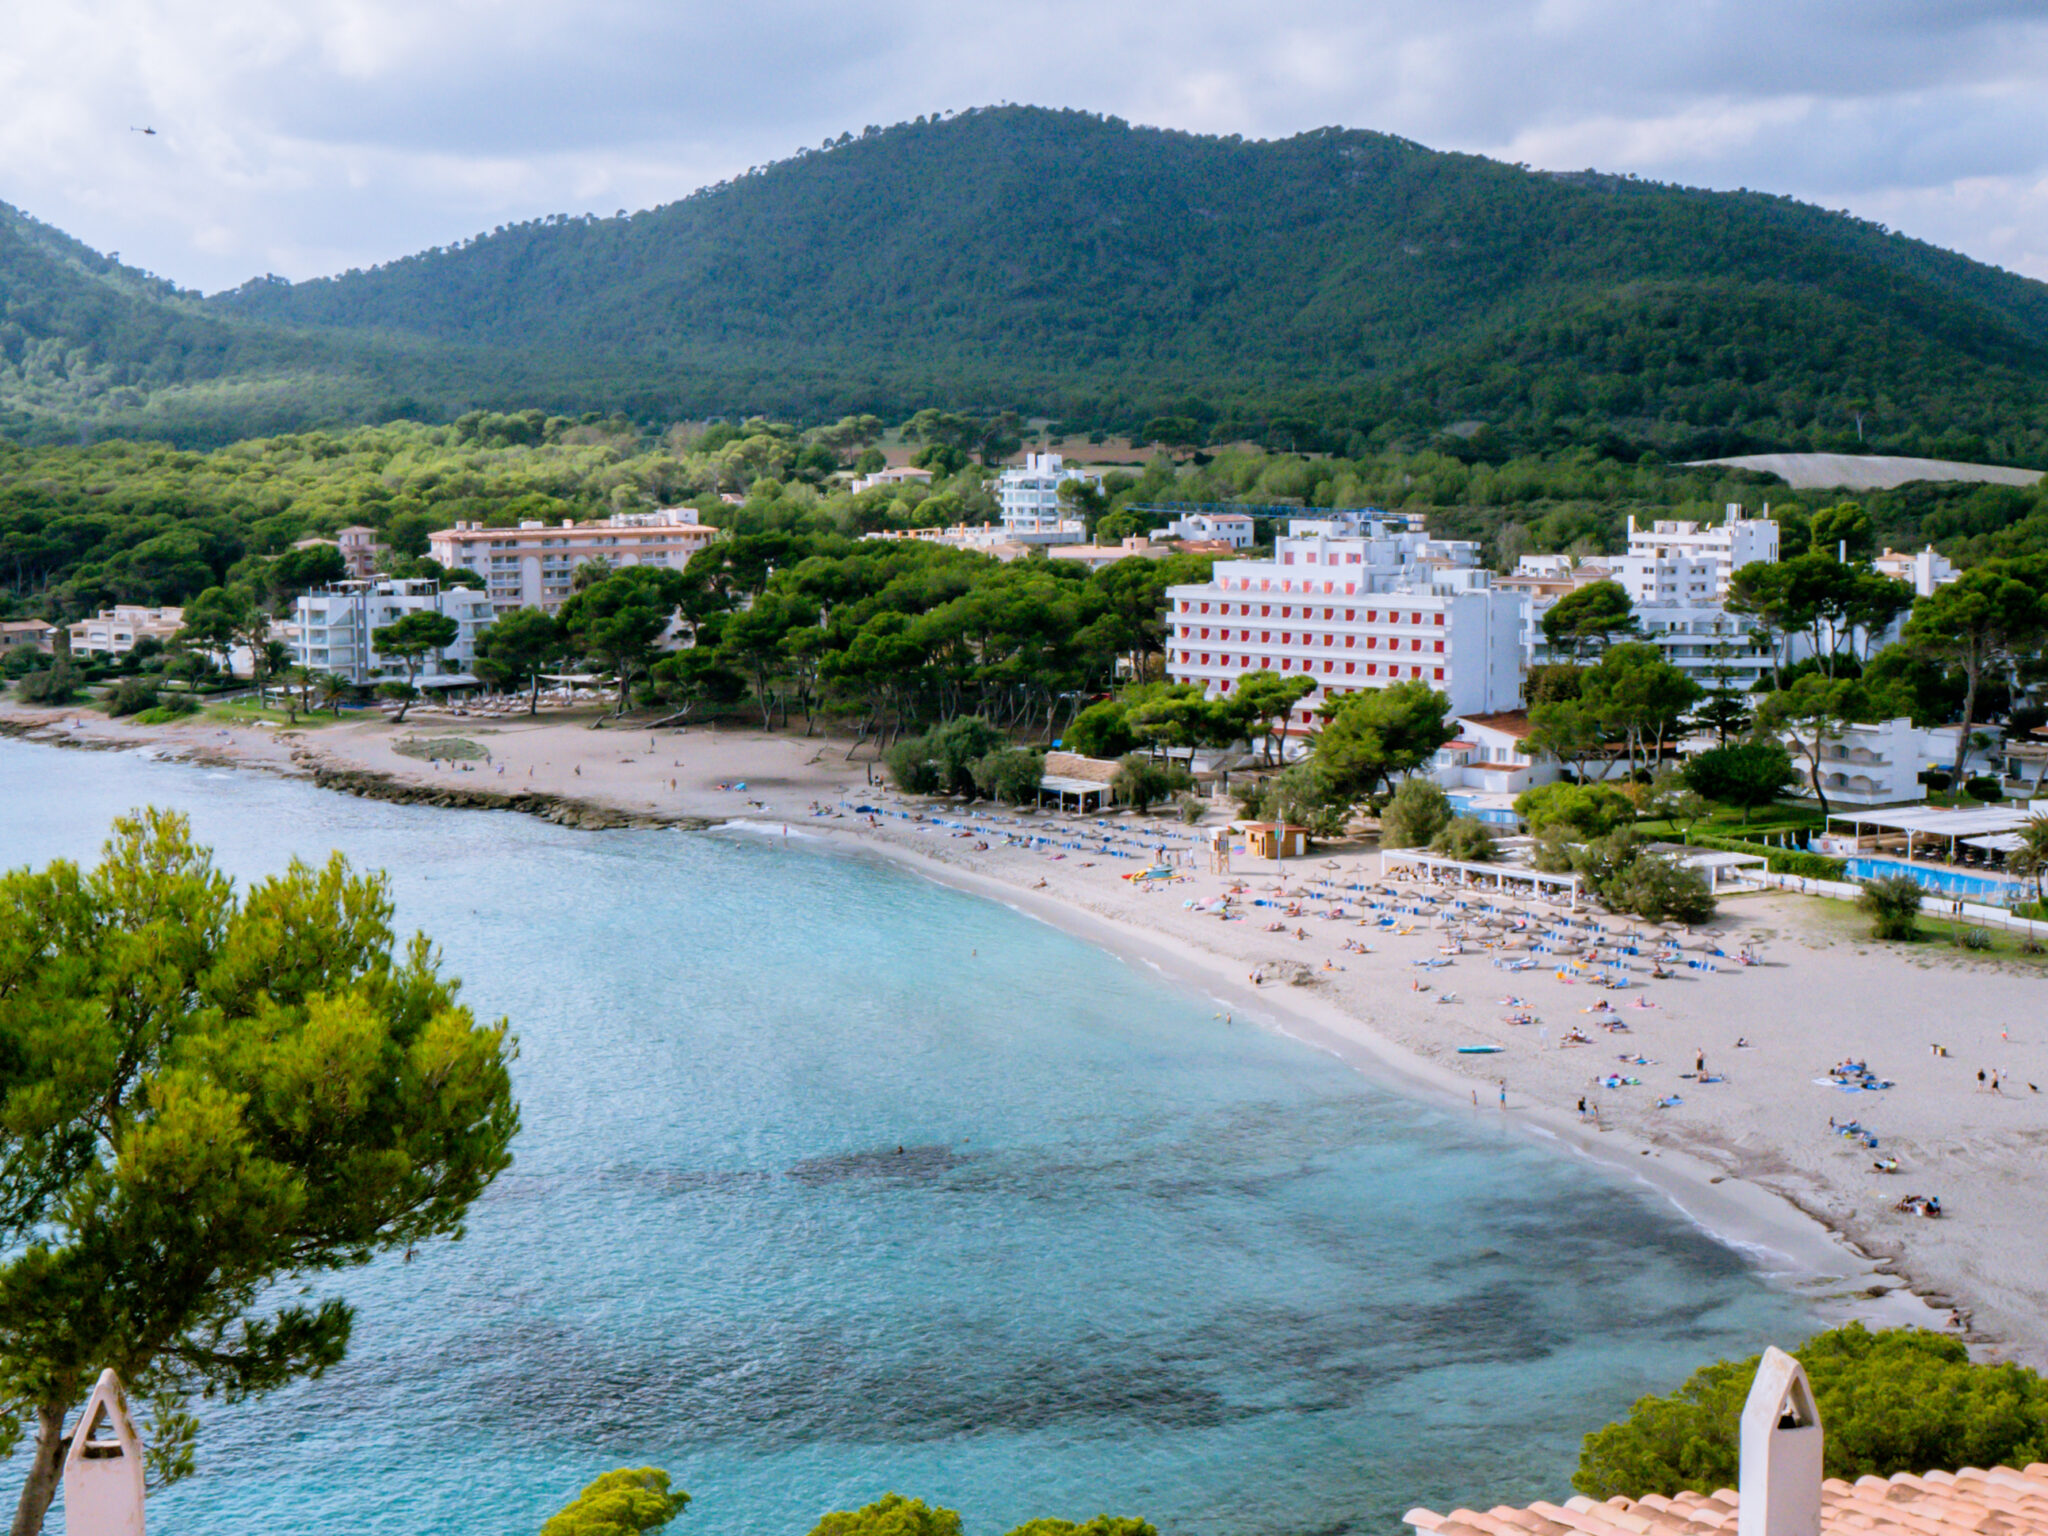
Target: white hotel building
{"points": [[531, 566], [1353, 603]]}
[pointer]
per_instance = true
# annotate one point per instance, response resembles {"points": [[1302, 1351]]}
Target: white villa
{"points": [[1233, 528]]}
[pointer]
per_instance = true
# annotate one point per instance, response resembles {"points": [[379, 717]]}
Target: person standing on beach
{"points": [[1699, 1064], [1503, 1093]]}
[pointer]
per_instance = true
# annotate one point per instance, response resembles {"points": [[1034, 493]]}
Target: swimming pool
{"points": [[1499, 816], [1949, 882]]}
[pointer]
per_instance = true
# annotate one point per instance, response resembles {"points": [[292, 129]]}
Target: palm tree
{"points": [[2030, 859], [268, 659], [298, 690], [333, 689]]}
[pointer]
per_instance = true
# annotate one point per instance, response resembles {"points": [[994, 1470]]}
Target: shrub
{"points": [[24, 659], [622, 1503], [910, 765], [891, 1515], [1584, 810], [1899, 1400], [1140, 782], [1464, 838], [1936, 779], [1893, 904], [1011, 775], [942, 760], [1983, 788], [1306, 795], [56, 684], [1192, 809], [1419, 810], [957, 746], [1976, 938], [1101, 1525], [1782, 861], [1100, 730], [1658, 891], [131, 696]]}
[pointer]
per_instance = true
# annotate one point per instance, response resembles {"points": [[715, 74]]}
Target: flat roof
{"points": [[1942, 823], [1067, 786]]}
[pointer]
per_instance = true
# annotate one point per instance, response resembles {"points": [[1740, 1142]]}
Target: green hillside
{"points": [[1339, 288]]}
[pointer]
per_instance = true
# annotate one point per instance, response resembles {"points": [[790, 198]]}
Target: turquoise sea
{"points": [[834, 1182]]}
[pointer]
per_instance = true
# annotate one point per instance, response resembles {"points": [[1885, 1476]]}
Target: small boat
{"points": [[1480, 1050]]}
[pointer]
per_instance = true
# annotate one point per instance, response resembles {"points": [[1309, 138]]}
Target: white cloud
{"points": [[304, 136]]}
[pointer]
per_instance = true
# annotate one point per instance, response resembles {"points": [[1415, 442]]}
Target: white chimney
{"points": [[1781, 1452], [103, 1473]]}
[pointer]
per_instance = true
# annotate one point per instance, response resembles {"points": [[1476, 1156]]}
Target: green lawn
{"points": [[1936, 935], [246, 713], [1726, 821]]}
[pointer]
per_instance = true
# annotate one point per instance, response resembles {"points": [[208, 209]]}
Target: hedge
{"points": [[1781, 861]]}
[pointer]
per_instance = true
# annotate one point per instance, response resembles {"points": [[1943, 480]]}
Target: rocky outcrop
{"points": [[559, 809]]}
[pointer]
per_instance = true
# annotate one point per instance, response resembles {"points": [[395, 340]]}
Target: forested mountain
{"points": [[1339, 288]]}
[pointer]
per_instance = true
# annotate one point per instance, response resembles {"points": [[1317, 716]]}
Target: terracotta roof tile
{"points": [[1972, 1502]]}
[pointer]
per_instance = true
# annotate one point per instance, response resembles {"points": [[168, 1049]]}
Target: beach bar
{"points": [[1084, 781]]}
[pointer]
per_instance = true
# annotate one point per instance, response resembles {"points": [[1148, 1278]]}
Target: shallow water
{"points": [[833, 1182]]}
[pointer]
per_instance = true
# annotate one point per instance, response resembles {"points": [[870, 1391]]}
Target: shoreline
{"points": [[1739, 1189], [1822, 1265]]}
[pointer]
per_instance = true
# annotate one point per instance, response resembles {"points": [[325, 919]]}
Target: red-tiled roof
{"points": [[1972, 1502], [1509, 722]]}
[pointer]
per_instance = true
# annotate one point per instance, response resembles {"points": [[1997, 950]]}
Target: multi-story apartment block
{"points": [[1681, 561], [1029, 496], [531, 566], [1352, 603], [114, 631], [336, 627], [1676, 575]]}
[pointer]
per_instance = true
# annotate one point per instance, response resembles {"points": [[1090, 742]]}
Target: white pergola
{"points": [[1720, 868], [1396, 863], [1936, 825]]}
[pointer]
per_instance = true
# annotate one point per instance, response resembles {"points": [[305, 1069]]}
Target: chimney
{"points": [[103, 1472], [1781, 1452]]}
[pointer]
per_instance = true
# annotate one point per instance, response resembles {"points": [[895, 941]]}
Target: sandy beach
{"points": [[1750, 1155]]}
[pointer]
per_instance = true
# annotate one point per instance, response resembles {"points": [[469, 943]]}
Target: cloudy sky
{"points": [[307, 136]]}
